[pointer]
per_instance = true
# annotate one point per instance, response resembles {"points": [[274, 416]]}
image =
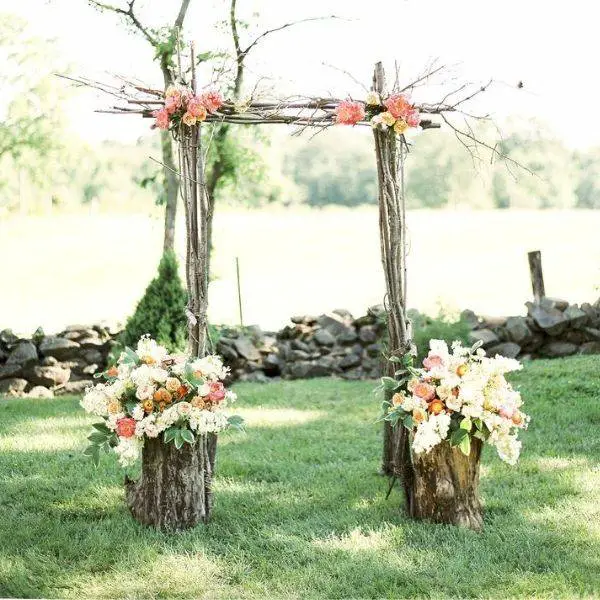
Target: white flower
{"points": [[508, 448], [141, 375], [117, 388], [373, 99], [128, 450], [159, 375], [426, 437], [204, 389], [95, 401], [205, 421], [145, 392], [149, 351], [138, 412], [377, 121], [124, 369], [210, 367]]}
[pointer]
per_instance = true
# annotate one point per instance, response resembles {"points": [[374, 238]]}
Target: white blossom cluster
{"points": [[469, 385], [148, 392]]}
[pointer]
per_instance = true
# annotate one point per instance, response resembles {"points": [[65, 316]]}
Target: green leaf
{"points": [[408, 422], [389, 384], [465, 445], [187, 436], [179, 441], [93, 452], [98, 437], [169, 434], [129, 356], [102, 427], [457, 436], [466, 424]]}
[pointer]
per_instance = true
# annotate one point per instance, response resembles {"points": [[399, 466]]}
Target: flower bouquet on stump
{"points": [[458, 401], [168, 409]]}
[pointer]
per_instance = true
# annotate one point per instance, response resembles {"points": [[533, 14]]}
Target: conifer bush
{"points": [[161, 311]]}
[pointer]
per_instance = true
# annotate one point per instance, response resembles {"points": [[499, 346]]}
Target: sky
{"points": [[548, 45]]}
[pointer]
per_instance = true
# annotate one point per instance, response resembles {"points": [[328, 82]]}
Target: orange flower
{"points": [[112, 372], [182, 391], [461, 370], [436, 407], [148, 406], [517, 418], [163, 396]]}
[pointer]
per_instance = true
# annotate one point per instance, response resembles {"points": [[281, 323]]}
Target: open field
{"points": [[300, 511], [66, 269]]}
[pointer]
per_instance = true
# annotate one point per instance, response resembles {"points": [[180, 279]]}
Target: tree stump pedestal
{"points": [[174, 491], [445, 486]]}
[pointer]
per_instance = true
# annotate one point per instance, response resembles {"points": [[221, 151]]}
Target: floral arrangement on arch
{"points": [[396, 112], [183, 106], [149, 393], [460, 394]]}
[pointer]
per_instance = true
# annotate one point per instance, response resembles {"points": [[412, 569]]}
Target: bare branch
{"points": [[182, 12], [268, 32], [130, 15]]}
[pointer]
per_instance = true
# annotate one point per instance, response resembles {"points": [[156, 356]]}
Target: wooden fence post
{"points": [[537, 275]]}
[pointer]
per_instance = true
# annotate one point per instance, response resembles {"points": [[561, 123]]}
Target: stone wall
{"points": [[65, 363], [332, 344], [552, 329]]}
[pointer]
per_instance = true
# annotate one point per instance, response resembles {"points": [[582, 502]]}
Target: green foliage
{"points": [[161, 311], [300, 511], [442, 327]]}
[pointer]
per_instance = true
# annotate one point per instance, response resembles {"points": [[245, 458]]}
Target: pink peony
{"points": [[399, 106], [126, 427], [162, 118], [196, 108], [212, 100], [349, 112], [432, 361], [424, 390], [217, 391]]}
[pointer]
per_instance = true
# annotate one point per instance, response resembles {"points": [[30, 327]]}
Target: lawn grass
{"points": [[300, 510]]}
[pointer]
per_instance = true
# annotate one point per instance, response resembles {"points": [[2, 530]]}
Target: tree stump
{"points": [[445, 486], [174, 491]]}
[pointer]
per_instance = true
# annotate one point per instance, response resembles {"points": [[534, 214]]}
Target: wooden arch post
{"points": [[175, 489], [441, 485]]}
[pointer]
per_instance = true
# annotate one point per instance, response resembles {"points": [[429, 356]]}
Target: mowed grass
{"points": [[300, 510]]}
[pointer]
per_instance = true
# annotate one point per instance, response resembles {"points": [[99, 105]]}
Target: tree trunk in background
{"points": [[170, 180], [446, 486], [174, 491]]}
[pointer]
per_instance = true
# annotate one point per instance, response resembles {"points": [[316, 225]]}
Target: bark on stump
{"points": [[445, 487], [174, 491]]}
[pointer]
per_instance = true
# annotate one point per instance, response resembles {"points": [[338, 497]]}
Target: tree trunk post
{"points": [[440, 486], [174, 490], [537, 275]]}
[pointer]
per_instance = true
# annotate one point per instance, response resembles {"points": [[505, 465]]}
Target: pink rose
{"points": [[172, 103], [196, 108], [399, 106], [217, 391], [424, 390], [349, 113], [413, 118], [212, 100], [126, 427], [162, 118], [432, 361]]}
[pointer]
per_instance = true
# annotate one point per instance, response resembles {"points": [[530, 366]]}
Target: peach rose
{"points": [[212, 100], [419, 415], [348, 112], [424, 390], [398, 105], [162, 118], [432, 361]]}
